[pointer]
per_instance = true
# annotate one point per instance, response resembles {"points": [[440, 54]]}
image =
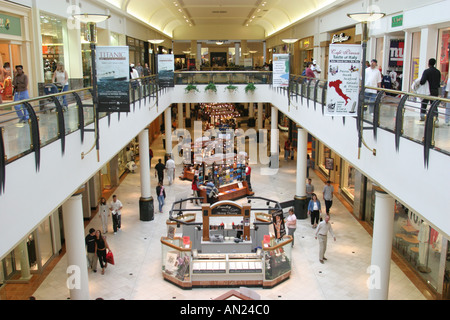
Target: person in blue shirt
{"points": [[314, 210]]}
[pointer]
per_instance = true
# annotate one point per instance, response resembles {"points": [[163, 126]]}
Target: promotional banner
{"points": [[343, 79], [281, 69], [278, 224], [113, 79], [166, 67], [396, 53]]}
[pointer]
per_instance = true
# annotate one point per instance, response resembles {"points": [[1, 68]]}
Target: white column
{"points": [[264, 52], [168, 129], [237, 45], [274, 136], [302, 148], [144, 160], [198, 60], [251, 110], [407, 62], [188, 110], [25, 273], [260, 115], [180, 116], [77, 269], [383, 228], [428, 48]]}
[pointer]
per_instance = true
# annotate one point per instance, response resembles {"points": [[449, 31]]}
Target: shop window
{"points": [[52, 44], [348, 180], [443, 52]]}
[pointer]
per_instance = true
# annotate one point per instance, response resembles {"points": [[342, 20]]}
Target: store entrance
{"points": [[10, 56]]}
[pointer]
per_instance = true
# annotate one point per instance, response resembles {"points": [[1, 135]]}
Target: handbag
{"points": [[110, 257]]}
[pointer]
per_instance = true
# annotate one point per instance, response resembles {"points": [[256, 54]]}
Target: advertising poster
{"points": [[281, 69], [166, 67], [113, 79], [278, 224], [343, 79], [396, 53]]}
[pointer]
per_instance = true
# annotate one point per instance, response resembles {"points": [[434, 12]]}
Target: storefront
{"points": [[443, 52], [52, 44], [304, 53]]}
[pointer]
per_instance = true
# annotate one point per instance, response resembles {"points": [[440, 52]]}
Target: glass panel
{"points": [[277, 262], [176, 263], [44, 233], [388, 109]]}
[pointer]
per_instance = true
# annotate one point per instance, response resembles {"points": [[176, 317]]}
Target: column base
{"points": [[300, 207], [146, 209], [274, 161]]}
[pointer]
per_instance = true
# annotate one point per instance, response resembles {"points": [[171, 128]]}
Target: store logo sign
{"points": [[397, 21], [338, 38]]}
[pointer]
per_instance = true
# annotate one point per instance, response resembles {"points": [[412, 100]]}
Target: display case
{"points": [[176, 261], [277, 261]]}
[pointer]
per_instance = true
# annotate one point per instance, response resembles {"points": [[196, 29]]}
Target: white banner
{"points": [[280, 74], [166, 67], [344, 67]]}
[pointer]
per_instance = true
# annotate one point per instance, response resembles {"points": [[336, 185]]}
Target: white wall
{"points": [[30, 196]]}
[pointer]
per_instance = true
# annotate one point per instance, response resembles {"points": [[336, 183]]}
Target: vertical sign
{"points": [[281, 69], [113, 79], [396, 51], [278, 224], [166, 66], [343, 79]]}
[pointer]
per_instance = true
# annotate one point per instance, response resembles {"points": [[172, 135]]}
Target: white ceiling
{"points": [[205, 19]]}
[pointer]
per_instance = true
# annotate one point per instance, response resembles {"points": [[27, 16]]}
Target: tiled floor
{"points": [[137, 249]]}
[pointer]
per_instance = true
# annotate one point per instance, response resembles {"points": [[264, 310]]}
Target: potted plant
{"points": [[190, 87], [211, 87], [250, 87], [231, 88]]}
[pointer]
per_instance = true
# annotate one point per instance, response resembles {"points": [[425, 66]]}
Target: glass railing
{"points": [[223, 77], [394, 111]]}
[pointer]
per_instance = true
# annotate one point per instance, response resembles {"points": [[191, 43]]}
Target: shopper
{"points": [[104, 213], [309, 71], [116, 207], [161, 194], [90, 248], [61, 78], [170, 166], [373, 79], [309, 165], [195, 191], [211, 192], [291, 223], [322, 233], [159, 169], [316, 69], [309, 191], [287, 149], [20, 84], [314, 210], [248, 176], [100, 248], [447, 105], [328, 190], [433, 76]]}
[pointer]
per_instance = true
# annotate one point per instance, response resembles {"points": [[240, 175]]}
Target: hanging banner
{"points": [[166, 67], [113, 79], [278, 224], [343, 79], [281, 67], [396, 51]]}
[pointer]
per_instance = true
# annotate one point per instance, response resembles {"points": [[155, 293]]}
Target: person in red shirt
{"points": [[248, 172], [309, 72], [195, 190]]}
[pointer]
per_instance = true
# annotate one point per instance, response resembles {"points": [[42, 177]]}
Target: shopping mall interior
{"points": [[118, 88]]}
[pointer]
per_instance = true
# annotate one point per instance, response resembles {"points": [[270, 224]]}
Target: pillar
{"points": [[77, 268], [300, 205], [274, 139], [237, 46], [198, 61], [188, 115], [180, 116], [383, 229], [146, 200], [168, 130], [25, 273], [260, 115]]}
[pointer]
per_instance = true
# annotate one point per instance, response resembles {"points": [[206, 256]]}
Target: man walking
{"points": [[20, 84], [433, 76], [322, 233], [116, 207], [159, 169], [373, 79], [328, 190], [309, 191], [170, 166], [90, 248]]}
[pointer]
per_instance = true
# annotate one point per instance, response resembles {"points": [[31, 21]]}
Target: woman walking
{"points": [[314, 210], [291, 222], [195, 190], [161, 194], [104, 212], [100, 247]]}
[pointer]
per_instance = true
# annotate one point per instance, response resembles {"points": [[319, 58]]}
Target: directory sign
{"points": [[344, 70]]}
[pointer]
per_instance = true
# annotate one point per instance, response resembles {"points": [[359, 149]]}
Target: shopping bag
{"points": [[110, 257]]}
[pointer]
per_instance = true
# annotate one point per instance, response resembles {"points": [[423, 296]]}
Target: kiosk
{"points": [[227, 248]]}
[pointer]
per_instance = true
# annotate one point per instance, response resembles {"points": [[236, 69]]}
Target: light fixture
{"points": [[186, 52], [219, 43], [91, 17], [364, 18], [253, 51], [156, 41], [289, 40]]}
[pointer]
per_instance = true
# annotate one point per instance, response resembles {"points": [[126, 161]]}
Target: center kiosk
{"points": [[232, 246]]}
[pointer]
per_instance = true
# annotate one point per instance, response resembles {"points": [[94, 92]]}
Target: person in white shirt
{"points": [[115, 207], [291, 223], [373, 79], [322, 232], [316, 69], [170, 167], [104, 213]]}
